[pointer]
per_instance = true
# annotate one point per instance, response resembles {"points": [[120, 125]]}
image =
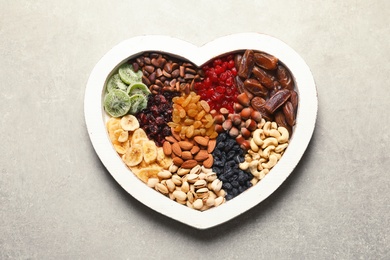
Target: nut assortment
{"points": [[201, 136]]}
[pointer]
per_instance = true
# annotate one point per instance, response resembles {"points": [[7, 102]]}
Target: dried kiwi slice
{"points": [[128, 75], [138, 103], [115, 82], [117, 103], [138, 88]]}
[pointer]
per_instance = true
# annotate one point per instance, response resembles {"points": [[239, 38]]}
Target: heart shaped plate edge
{"points": [[95, 120]]}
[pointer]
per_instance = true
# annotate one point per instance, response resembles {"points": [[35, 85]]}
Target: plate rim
{"points": [[306, 118]]}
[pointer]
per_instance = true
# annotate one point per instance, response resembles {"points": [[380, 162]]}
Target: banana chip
{"points": [[134, 155], [146, 173], [149, 149], [163, 160]]}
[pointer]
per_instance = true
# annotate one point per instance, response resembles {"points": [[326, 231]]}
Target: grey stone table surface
{"points": [[58, 201]]}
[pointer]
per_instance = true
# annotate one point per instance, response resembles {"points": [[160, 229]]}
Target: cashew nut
{"points": [[274, 133], [280, 148], [278, 155], [284, 135], [274, 125], [254, 155], [267, 128], [244, 165], [263, 173], [253, 168], [269, 141], [261, 124], [259, 174], [257, 137], [253, 145], [271, 162], [267, 151]]}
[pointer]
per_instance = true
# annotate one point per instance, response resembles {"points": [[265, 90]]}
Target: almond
{"points": [[185, 145], [167, 148], [201, 155], [176, 149], [189, 164], [208, 163], [177, 161], [170, 139], [203, 141], [175, 135], [211, 146], [195, 149], [186, 155]]}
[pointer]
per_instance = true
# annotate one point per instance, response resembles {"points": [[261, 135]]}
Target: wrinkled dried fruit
{"points": [[265, 61], [246, 64], [254, 86], [284, 78], [277, 100], [288, 112], [265, 78]]}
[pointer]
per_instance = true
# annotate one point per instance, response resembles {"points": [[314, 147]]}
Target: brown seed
{"points": [[219, 119], [185, 145], [168, 67], [189, 164], [208, 163], [170, 139], [218, 128], [245, 133], [256, 115], [234, 132], [176, 149], [246, 113], [245, 145], [227, 125], [175, 135], [201, 140], [237, 107], [251, 125], [177, 161], [243, 99], [186, 155], [224, 111], [211, 145], [167, 148], [236, 120], [201, 155], [240, 139], [195, 149]]}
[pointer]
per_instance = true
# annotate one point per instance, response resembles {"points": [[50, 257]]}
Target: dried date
{"points": [[254, 86], [284, 77], [246, 64], [265, 78], [265, 61], [277, 100], [294, 100], [289, 113], [281, 121], [258, 104]]}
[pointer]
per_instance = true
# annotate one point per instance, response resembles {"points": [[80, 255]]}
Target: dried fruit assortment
{"points": [[201, 136]]}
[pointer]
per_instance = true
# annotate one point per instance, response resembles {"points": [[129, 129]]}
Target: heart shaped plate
{"points": [[96, 118]]}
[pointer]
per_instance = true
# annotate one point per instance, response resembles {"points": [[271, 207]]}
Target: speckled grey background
{"points": [[57, 200]]}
